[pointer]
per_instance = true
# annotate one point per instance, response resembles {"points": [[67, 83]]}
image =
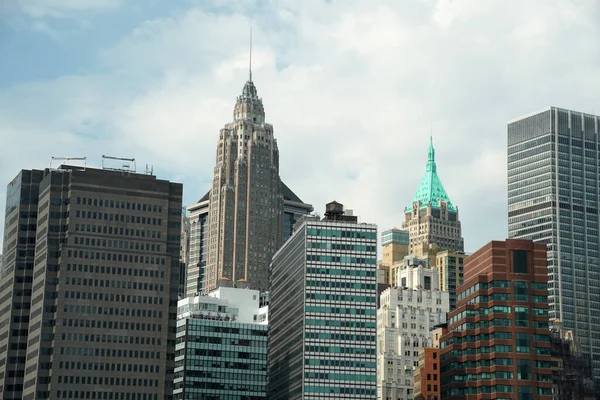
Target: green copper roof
{"points": [[431, 188]]}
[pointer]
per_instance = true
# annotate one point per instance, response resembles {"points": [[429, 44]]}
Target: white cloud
{"points": [[353, 90], [64, 8]]}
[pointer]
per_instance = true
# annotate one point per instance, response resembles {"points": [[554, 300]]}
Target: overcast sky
{"points": [[353, 89]]}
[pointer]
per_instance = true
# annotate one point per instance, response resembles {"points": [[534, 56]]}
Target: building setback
{"points": [[431, 218], [221, 350], [293, 209], [101, 271], [498, 343], [553, 189], [322, 311]]}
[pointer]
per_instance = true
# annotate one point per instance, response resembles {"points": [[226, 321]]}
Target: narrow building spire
{"points": [[250, 66]]}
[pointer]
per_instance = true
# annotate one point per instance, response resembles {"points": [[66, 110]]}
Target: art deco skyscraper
{"points": [[553, 188], [432, 219], [246, 202]]}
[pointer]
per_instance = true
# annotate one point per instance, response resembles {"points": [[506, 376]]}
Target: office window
{"points": [[427, 283], [522, 343], [521, 291], [520, 261], [525, 393], [524, 369]]}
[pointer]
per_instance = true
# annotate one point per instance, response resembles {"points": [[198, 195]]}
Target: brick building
{"points": [[498, 345]]}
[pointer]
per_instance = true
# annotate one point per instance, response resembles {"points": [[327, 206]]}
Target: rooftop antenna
{"points": [[250, 65]]}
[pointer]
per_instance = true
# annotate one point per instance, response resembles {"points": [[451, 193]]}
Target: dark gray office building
{"points": [[553, 188], [88, 295]]}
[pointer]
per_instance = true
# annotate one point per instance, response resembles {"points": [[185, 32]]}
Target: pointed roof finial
{"points": [[250, 66]]}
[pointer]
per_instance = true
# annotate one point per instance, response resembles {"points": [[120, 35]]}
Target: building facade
{"points": [[100, 276], [196, 267], [248, 213], [450, 266], [553, 187], [20, 225], [432, 218], [221, 350], [406, 316], [427, 375], [571, 372], [498, 343], [293, 209], [322, 310], [394, 247]]}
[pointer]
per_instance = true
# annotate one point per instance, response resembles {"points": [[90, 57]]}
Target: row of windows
{"points": [[222, 328], [341, 233], [341, 297], [81, 337], [86, 323], [120, 204], [339, 350], [341, 310], [340, 377], [204, 364], [479, 311], [492, 297], [112, 381], [341, 324], [336, 271], [483, 286], [102, 366], [341, 246], [477, 364], [81, 394], [76, 308], [115, 284], [222, 354], [340, 363], [480, 376], [117, 244], [340, 390], [134, 219], [346, 285], [339, 336], [496, 389], [100, 269], [69, 294], [115, 257], [109, 230], [341, 259], [475, 338]]}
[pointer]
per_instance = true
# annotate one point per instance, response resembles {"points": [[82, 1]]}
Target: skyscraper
{"points": [[89, 291], [553, 188], [407, 313], [432, 219], [497, 343], [322, 310], [221, 347], [248, 212], [20, 224]]}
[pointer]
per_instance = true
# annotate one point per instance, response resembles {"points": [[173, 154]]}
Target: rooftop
{"points": [[431, 189]]}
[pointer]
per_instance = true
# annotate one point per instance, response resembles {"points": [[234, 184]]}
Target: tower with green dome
{"points": [[432, 219]]}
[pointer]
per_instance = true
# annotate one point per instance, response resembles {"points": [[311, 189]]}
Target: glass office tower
{"points": [[553, 185]]}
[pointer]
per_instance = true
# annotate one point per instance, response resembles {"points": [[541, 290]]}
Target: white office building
{"points": [[405, 319]]}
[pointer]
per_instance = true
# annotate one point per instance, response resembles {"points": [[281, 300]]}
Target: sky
{"points": [[353, 89]]}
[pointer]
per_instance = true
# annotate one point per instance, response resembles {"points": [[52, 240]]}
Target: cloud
{"points": [[353, 89], [63, 8]]}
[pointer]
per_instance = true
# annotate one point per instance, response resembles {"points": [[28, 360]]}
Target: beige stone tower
{"points": [[432, 219], [246, 205]]}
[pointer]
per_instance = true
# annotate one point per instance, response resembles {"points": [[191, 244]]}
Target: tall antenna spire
{"points": [[250, 66]]}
